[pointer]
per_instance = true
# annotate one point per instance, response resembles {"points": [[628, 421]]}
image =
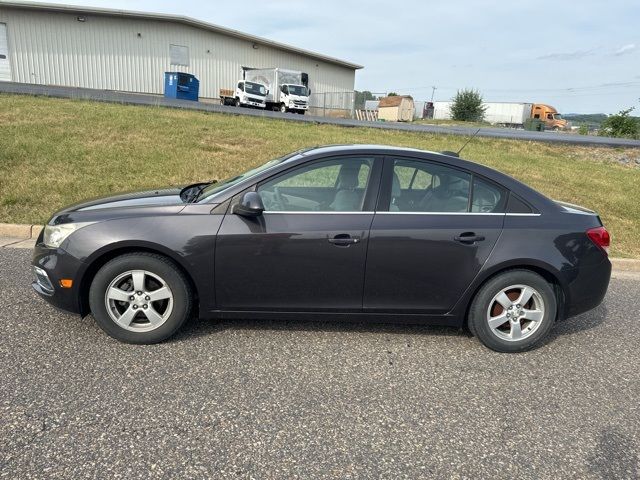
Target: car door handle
{"points": [[343, 240], [468, 237]]}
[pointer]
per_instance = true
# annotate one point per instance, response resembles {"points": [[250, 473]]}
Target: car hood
{"points": [[155, 197]]}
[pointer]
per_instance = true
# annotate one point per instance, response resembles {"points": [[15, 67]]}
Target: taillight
{"points": [[600, 237]]}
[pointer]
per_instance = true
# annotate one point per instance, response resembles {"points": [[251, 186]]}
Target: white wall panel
{"points": [[106, 52]]}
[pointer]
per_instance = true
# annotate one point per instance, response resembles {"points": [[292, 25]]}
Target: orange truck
{"points": [[550, 116]]}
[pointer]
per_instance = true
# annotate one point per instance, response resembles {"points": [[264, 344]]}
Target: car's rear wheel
{"points": [[140, 298], [513, 311]]}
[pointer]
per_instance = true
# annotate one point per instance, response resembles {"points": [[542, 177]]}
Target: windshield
{"points": [[255, 88], [557, 116], [297, 90], [218, 187]]}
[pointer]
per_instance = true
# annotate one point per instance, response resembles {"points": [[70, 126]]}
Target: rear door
{"points": [[434, 228], [307, 251], [5, 66]]}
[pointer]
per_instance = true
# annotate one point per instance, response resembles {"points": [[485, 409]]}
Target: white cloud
{"points": [[625, 49]]}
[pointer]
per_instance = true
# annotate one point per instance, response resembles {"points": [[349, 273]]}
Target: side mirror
{"points": [[309, 92], [267, 92], [250, 205]]}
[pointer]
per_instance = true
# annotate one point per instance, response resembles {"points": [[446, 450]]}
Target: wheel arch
{"points": [[100, 258], [546, 271]]}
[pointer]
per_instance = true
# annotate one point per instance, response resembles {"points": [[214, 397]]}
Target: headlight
{"points": [[54, 235]]}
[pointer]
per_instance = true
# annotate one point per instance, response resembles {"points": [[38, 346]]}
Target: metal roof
{"points": [[75, 9]]}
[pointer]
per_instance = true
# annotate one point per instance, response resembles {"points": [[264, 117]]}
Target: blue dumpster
{"points": [[183, 86]]}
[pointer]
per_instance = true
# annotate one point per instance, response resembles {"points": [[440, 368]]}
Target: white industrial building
{"points": [[106, 49]]}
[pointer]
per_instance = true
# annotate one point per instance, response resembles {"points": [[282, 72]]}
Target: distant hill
{"points": [[592, 119]]}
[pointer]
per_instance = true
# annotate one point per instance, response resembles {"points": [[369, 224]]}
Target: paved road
{"points": [[155, 100], [300, 400]]}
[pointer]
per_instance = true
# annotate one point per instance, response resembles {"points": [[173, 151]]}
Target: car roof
{"points": [[362, 148]]}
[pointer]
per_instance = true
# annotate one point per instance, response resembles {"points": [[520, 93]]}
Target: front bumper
{"points": [[293, 106], [50, 265], [251, 103]]}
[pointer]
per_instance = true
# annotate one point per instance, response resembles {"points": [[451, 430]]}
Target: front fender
{"points": [[187, 239]]}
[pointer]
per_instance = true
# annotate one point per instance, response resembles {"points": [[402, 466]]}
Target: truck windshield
{"points": [[297, 90], [557, 116], [255, 88]]}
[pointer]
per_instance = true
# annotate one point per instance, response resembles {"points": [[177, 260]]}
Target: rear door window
{"points": [[487, 197], [422, 186]]}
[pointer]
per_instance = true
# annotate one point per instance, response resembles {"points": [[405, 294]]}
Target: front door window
{"points": [[336, 185]]}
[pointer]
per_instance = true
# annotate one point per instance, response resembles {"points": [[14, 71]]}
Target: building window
{"points": [[179, 55]]}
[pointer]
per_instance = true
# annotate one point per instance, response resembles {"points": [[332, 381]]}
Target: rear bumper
{"points": [[50, 265], [586, 287]]}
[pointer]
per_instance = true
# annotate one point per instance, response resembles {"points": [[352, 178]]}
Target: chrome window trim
{"points": [[328, 212], [440, 213], [322, 212]]}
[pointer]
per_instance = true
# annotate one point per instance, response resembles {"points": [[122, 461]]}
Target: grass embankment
{"points": [[54, 152]]}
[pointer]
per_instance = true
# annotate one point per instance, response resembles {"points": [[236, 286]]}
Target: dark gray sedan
{"points": [[359, 232]]}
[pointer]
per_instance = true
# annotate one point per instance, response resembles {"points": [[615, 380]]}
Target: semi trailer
{"points": [[510, 114]]}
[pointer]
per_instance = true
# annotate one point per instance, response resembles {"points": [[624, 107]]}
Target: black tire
{"points": [[283, 108], [478, 321], [159, 265], [236, 102], [301, 112]]}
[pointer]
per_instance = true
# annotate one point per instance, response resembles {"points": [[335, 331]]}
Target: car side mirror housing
{"points": [[250, 205]]}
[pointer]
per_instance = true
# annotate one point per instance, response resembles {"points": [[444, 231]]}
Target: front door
{"points": [[428, 241], [307, 251], [5, 66]]}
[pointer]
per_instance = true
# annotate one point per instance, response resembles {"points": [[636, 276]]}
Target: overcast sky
{"points": [[581, 57]]}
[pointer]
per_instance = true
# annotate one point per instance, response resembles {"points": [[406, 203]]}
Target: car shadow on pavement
{"points": [[580, 323], [199, 327]]}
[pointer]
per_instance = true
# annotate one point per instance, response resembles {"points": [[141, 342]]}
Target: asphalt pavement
{"points": [[263, 400], [156, 100]]}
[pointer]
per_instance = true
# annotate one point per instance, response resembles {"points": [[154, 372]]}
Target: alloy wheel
{"points": [[515, 312], [139, 300]]}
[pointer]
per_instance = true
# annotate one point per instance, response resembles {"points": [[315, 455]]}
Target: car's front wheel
{"points": [[140, 298], [513, 311]]}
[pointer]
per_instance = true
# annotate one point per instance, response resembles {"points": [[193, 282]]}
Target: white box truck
{"points": [[246, 94], [288, 89]]}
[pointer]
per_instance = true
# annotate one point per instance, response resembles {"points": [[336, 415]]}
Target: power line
{"points": [[617, 85]]}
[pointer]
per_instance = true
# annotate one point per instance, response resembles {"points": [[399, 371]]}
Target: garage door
{"points": [[5, 67]]}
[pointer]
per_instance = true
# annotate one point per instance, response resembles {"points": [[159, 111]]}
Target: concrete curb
{"points": [[15, 230], [12, 234], [625, 264]]}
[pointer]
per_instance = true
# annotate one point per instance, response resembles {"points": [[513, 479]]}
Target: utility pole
{"points": [[433, 91]]}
